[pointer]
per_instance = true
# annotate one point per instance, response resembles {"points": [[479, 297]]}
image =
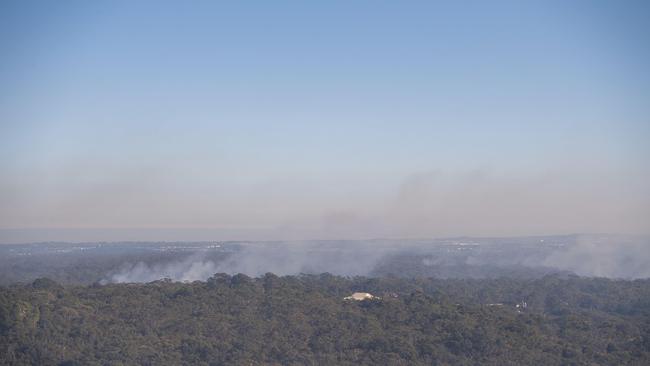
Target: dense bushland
{"points": [[303, 320]]}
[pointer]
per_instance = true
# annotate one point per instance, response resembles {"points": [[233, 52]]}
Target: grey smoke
{"points": [[192, 268], [612, 256], [604, 256], [257, 259]]}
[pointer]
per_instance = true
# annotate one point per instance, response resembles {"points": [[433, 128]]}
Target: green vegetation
{"points": [[303, 320]]}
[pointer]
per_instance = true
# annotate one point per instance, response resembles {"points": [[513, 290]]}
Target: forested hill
{"points": [[304, 320]]}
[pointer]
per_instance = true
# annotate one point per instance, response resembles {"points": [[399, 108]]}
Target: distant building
{"points": [[359, 296]]}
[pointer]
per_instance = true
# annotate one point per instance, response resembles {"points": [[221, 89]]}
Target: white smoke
{"points": [[612, 256], [192, 268], [255, 260], [604, 256]]}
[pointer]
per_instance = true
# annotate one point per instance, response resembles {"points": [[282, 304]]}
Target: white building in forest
{"points": [[360, 296]]}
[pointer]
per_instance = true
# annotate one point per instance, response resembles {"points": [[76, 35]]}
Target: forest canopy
{"points": [[304, 320]]}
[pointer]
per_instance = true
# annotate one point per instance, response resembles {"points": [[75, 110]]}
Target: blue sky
{"points": [[325, 119]]}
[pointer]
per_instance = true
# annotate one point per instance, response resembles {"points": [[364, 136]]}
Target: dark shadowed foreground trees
{"points": [[303, 320]]}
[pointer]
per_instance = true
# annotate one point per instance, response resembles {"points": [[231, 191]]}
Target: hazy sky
{"points": [[333, 119]]}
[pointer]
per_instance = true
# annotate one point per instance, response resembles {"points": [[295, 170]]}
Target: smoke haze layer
{"points": [[585, 255]]}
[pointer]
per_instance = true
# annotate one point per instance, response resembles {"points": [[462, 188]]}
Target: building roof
{"points": [[358, 296]]}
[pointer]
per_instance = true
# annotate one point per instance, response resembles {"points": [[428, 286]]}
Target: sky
{"points": [[186, 120]]}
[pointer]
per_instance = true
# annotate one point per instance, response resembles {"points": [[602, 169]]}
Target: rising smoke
{"points": [[341, 258], [586, 255], [604, 256]]}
